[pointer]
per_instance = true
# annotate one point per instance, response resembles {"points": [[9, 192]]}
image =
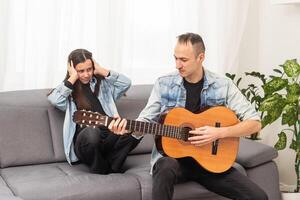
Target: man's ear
{"points": [[201, 57]]}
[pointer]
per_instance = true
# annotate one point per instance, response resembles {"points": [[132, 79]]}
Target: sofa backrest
{"points": [[31, 128], [130, 106]]}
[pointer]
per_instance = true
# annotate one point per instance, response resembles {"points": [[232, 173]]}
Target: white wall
{"points": [[272, 35], [3, 11]]}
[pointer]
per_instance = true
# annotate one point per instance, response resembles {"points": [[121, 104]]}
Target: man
{"points": [[193, 87]]}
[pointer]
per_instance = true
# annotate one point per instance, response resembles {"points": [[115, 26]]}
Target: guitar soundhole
{"points": [[185, 133]]}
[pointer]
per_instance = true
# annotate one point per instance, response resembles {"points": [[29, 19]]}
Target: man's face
{"points": [[187, 62], [85, 71]]}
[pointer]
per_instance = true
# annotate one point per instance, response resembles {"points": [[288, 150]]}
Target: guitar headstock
{"points": [[89, 118]]}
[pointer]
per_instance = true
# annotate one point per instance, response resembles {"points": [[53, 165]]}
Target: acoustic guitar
{"points": [[172, 135]]}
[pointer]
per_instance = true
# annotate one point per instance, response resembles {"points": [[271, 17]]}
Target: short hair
{"points": [[195, 40]]}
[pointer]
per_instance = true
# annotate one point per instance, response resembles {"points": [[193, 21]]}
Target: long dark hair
{"points": [[79, 56]]}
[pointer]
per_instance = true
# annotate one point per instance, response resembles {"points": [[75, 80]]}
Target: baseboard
{"points": [[287, 188]]}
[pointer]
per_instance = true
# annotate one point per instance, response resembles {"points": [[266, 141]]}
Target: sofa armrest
{"points": [[252, 153]]}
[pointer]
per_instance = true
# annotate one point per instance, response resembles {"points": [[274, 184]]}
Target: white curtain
{"points": [[135, 37]]}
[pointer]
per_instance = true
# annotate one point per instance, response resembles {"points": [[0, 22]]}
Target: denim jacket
{"points": [[169, 92], [111, 88]]}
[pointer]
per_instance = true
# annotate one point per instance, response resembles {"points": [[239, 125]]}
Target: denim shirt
{"points": [[169, 92], [111, 88]]}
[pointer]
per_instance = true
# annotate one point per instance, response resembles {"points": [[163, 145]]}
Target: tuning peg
{"points": [[83, 121], [91, 115], [94, 126], [97, 117], [84, 114], [81, 125], [90, 121]]}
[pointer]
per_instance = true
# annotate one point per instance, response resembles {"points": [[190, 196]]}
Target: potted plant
{"points": [[253, 92], [281, 100]]}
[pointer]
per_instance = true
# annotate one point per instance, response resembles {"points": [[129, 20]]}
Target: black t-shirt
{"points": [[193, 99]]}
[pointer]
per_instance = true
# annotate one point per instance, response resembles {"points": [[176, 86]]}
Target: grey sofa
{"points": [[33, 165]]}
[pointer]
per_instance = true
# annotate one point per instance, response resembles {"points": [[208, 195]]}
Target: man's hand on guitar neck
{"points": [[205, 135]]}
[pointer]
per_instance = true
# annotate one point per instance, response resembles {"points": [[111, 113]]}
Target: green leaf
{"points": [[265, 121], [231, 76], [271, 117], [281, 143], [291, 68], [257, 75], [238, 82], [273, 105], [252, 92], [244, 91], [292, 98], [254, 74], [293, 88], [272, 102], [274, 85], [293, 145], [277, 70], [258, 99], [272, 77], [248, 95], [290, 115]]}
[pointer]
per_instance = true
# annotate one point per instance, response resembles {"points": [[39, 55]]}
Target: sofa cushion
{"points": [[4, 190], [62, 181], [252, 153], [25, 136], [9, 197], [136, 161], [145, 145]]}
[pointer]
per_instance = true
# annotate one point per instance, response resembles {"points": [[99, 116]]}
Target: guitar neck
{"points": [[155, 129]]}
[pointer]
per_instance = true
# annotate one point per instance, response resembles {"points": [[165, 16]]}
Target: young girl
{"points": [[91, 87]]}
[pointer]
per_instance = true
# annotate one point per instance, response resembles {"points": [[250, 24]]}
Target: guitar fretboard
{"points": [[157, 129]]}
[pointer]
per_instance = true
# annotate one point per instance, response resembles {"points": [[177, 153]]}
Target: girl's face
{"points": [[85, 71]]}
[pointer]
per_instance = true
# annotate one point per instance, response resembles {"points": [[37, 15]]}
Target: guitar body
{"points": [[227, 148]]}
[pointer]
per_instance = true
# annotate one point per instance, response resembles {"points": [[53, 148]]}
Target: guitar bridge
{"points": [[214, 149]]}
